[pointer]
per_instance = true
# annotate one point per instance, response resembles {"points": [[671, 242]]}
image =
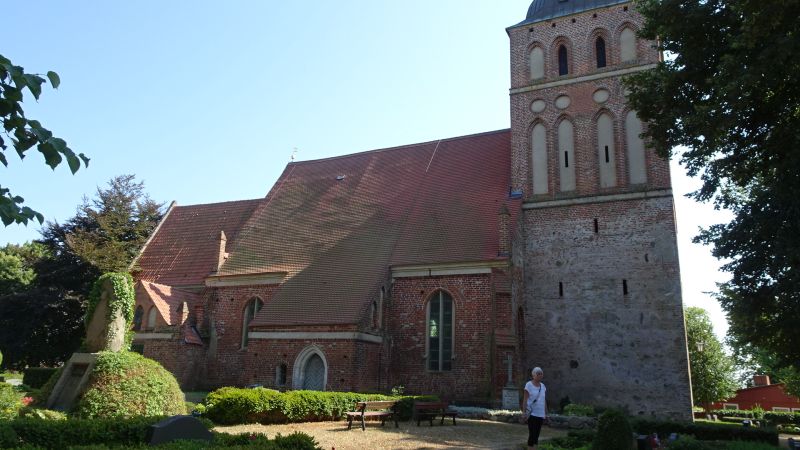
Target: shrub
{"points": [[42, 414], [686, 443], [126, 384], [72, 432], [577, 409], [707, 431], [41, 396], [8, 438], [573, 440], [10, 401], [1, 359], [36, 377], [229, 405], [613, 431]]}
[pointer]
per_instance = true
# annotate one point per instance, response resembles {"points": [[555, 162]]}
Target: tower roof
{"points": [[550, 9]]}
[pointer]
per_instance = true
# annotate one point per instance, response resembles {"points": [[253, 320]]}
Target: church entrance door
{"points": [[314, 374]]}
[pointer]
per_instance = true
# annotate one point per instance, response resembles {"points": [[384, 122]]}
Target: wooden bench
{"points": [[431, 410], [379, 410]]}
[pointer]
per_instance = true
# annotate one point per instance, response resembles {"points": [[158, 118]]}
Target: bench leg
{"points": [[349, 422], [363, 425]]}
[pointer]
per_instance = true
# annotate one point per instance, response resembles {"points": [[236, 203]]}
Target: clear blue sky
{"points": [[205, 101]]}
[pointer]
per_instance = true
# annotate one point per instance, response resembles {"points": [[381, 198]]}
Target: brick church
{"points": [[449, 266]]}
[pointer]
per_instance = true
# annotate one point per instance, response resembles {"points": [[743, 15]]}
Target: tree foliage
{"points": [[751, 361], [16, 266], [42, 324], [711, 369], [728, 96], [24, 134]]}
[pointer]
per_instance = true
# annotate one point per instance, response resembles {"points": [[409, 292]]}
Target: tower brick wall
{"points": [[599, 279]]}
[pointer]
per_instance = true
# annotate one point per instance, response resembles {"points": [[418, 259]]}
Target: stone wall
{"points": [[614, 334]]}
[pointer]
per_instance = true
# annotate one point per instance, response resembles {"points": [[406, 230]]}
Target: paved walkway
{"points": [[467, 434]]}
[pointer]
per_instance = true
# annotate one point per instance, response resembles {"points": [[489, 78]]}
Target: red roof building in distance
{"points": [[769, 397], [450, 267]]}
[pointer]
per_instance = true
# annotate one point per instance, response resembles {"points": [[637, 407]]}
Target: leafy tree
{"points": [[711, 369], [750, 361], [16, 266], [40, 326], [25, 133], [44, 324], [728, 95]]}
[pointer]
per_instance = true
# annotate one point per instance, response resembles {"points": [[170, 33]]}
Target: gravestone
{"points": [[104, 332], [510, 392], [178, 427]]}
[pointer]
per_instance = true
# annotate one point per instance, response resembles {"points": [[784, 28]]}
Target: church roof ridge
{"points": [[398, 147]]}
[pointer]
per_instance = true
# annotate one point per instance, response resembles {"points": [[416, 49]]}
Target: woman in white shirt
{"points": [[534, 407]]}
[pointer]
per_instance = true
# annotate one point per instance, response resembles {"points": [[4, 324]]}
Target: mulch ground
{"points": [[467, 434]]}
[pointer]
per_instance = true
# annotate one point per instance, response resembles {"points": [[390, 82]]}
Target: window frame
{"points": [[245, 323], [442, 295]]}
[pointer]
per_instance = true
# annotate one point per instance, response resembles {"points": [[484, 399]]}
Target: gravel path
{"points": [[467, 434]]}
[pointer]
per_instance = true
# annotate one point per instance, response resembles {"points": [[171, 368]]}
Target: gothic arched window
{"points": [[600, 51], [440, 332], [536, 63], [627, 45], [151, 318], [563, 66], [250, 311], [137, 318]]}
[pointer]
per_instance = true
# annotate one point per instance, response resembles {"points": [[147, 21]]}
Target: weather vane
{"points": [[294, 150]]}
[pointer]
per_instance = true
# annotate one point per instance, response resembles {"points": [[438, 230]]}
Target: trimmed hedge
{"points": [[230, 406], [128, 434], [707, 431], [36, 377], [126, 384], [773, 417], [65, 433]]}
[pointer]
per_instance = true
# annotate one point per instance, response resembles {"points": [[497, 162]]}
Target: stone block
{"points": [[178, 427]]}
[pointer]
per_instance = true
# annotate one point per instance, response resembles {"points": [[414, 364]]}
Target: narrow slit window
{"points": [[560, 289], [566, 159], [596, 226], [600, 50], [563, 67], [607, 154], [624, 287]]}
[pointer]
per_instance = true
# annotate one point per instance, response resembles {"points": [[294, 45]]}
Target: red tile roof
{"points": [[337, 225], [185, 248], [167, 299]]}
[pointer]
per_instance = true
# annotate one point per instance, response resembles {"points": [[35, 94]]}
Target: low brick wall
{"points": [[509, 416]]}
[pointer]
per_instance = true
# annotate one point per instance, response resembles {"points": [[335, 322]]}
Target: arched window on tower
{"points": [[600, 52], [627, 45], [440, 332], [536, 63], [605, 151], [250, 311], [637, 171], [566, 155], [539, 159], [563, 66], [138, 315]]}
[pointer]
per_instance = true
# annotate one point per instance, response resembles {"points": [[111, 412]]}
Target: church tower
{"points": [[598, 281]]}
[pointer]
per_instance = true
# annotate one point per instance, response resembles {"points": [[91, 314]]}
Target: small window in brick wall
{"points": [[138, 315], [624, 287], [280, 375], [440, 332], [250, 311]]}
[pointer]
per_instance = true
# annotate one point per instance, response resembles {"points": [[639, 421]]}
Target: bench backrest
{"points": [[372, 406], [430, 405]]}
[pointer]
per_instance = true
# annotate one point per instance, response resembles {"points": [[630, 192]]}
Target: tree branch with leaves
{"points": [[24, 134]]}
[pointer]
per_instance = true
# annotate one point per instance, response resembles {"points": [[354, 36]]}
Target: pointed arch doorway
{"points": [[310, 370]]}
